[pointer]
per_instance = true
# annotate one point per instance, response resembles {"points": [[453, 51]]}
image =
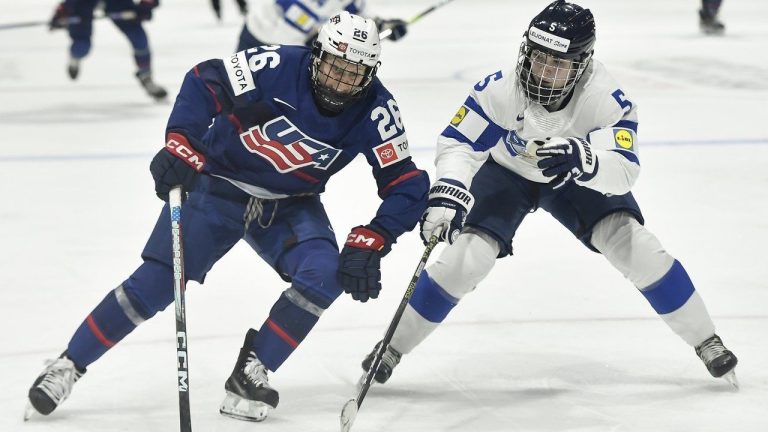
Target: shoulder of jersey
{"points": [[599, 95], [496, 96]]}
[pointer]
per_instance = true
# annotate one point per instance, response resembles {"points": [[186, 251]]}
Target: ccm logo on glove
{"points": [[363, 238], [178, 145]]}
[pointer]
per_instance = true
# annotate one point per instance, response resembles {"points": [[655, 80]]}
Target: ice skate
{"points": [[73, 68], [719, 360], [52, 386], [389, 360], [154, 90], [249, 396], [709, 24]]}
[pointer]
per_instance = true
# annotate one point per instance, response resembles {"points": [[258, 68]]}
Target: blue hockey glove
{"points": [[144, 10], [567, 159], [398, 26], [448, 204], [359, 263], [176, 164]]}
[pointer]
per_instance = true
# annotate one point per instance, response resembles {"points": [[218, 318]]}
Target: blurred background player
{"points": [[285, 119], [559, 134], [242, 6], [77, 17], [708, 21], [296, 22]]}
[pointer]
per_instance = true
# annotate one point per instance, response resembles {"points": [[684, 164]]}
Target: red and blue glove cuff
{"points": [[364, 237], [178, 145]]}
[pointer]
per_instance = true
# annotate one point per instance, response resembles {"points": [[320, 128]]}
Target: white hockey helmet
{"points": [[345, 58]]}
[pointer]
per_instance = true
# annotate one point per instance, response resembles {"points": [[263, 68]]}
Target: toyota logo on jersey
{"points": [[286, 147]]}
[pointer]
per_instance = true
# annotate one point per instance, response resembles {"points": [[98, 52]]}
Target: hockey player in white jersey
{"points": [[296, 22], [560, 134]]}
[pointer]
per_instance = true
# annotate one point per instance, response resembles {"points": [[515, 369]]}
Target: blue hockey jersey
{"points": [[254, 118]]}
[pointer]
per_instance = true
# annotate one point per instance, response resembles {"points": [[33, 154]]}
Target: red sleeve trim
{"points": [[236, 122], [402, 178], [215, 98]]}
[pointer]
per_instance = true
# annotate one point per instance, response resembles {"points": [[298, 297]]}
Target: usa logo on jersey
{"points": [[286, 147]]}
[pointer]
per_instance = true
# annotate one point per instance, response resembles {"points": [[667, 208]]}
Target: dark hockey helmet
{"points": [[556, 49], [345, 58]]}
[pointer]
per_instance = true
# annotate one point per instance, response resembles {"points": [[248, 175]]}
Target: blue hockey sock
{"points": [[105, 326], [148, 290], [430, 300], [290, 321], [671, 291]]}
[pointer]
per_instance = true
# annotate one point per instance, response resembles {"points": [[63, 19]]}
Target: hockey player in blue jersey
{"points": [[284, 120], [296, 22], [709, 23], [560, 134], [77, 17]]}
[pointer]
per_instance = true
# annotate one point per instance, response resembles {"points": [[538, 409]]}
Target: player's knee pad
{"points": [[465, 263], [312, 267], [148, 290], [632, 249]]}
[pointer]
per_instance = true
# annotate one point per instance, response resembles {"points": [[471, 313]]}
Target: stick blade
{"points": [[348, 414]]}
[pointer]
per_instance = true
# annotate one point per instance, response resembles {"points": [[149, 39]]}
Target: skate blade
{"points": [[348, 414], [238, 408], [29, 411], [730, 377]]}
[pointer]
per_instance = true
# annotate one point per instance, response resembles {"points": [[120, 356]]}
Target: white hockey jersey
{"points": [[496, 119], [293, 22]]}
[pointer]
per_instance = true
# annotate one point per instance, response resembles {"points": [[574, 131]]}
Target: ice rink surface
{"points": [[553, 340]]}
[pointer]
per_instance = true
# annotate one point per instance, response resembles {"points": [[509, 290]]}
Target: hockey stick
{"points": [[120, 16], [388, 32], [179, 286], [349, 411]]}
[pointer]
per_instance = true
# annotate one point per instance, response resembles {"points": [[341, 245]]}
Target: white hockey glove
{"points": [[447, 207], [566, 159]]}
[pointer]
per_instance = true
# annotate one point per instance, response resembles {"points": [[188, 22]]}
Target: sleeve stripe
{"points": [[402, 178], [632, 157], [626, 124], [474, 106], [451, 132]]}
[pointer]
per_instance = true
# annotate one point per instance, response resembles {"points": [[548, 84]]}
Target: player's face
{"points": [[550, 71], [340, 75]]}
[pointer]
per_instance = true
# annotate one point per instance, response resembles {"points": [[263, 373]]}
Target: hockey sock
{"points": [[147, 291], [430, 300], [290, 321], [676, 301]]}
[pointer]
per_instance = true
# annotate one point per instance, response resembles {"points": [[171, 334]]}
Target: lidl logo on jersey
{"points": [[392, 151], [460, 114], [623, 138], [286, 147]]}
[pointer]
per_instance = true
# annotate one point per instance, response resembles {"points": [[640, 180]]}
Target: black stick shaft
{"points": [[119, 16], [396, 320], [388, 32], [179, 287]]}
